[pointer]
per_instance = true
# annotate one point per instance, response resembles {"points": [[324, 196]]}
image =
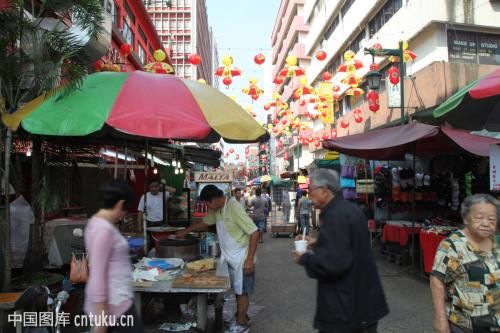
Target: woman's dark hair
{"points": [[210, 192], [115, 190], [258, 192]]}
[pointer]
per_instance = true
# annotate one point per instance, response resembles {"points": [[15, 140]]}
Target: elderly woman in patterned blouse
{"points": [[465, 278]]}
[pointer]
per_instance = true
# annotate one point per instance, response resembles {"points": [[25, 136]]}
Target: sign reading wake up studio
{"points": [[473, 47]]}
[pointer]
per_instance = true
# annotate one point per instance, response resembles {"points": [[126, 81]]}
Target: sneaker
{"points": [[237, 328]]}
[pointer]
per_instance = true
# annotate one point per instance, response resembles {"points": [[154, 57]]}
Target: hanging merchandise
{"points": [[278, 80], [373, 100], [194, 59], [253, 90], [159, 66], [291, 69], [394, 74], [350, 65], [259, 59], [277, 102], [228, 70], [321, 55]]}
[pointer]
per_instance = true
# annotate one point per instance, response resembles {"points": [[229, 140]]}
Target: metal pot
{"points": [[214, 250], [187, 249]]}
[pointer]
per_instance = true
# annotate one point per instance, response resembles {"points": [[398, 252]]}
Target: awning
{"points": [[419, 139], [475, 106]]}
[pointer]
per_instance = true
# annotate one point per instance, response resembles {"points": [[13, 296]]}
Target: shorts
{"points": [[261, 224]]}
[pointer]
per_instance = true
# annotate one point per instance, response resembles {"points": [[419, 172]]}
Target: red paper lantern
{"points": [[327, 76], [377, 46], [336, 88], [358, 119], [324, 136], [302, 102], [275, 130], [263, 147], [310, 139], [284, 121], [194, 59], [393, 75], [259, 59], [237, 156], [227, 80], [267, 107], [276, 121], [373, 100], [247, 150], [231, 150], [280, 144], [125, 49], [344, 124], [278, 80], [317, 144], [307, 114], [98, 65], [316, 139], [374, 67], [285, 156], [255, 97], [321, 55], [296, 95], [357, 111]]}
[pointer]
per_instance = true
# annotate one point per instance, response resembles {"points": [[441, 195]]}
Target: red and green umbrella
{"points": [[140, 105]]}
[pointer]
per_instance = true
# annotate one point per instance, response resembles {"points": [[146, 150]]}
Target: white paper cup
{"points": [[300, 246]]}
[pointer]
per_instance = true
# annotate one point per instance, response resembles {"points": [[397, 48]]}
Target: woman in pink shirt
{"points": [[109, 292]]}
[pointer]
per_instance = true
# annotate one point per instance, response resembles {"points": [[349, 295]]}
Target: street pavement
{"points": [[284, 299]]}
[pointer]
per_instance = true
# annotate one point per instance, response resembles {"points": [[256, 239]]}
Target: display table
{"points": [[429, 242], [399, 231], [165, 287]]}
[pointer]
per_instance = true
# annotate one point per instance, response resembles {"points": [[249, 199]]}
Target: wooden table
{"points": [[165, 287]]}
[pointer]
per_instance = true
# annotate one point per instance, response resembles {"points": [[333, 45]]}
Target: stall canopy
{"points": [[415, 138], [475, 106], [140, 105]]}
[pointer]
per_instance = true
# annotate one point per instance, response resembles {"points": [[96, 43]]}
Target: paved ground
{"points": [[284, 300]]}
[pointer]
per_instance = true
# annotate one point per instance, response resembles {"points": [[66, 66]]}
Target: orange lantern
{"points": [[373, 100], [194, 59]]}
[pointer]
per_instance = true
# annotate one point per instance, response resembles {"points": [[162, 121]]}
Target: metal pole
{"points": [[145, 213], [402, 73]]}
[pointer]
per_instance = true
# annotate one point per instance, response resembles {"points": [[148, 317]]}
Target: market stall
{"points": [[430, 170]]}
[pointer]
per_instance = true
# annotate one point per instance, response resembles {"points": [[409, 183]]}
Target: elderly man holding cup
{"points": [[350, 297]]}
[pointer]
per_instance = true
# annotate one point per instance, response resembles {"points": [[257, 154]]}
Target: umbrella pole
{"points": [[126, 165], [115, 176], [145, 213]]}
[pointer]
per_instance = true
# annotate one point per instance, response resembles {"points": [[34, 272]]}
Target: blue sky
{"points": [[243, 29]]}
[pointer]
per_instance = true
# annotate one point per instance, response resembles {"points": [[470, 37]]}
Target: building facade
{"points": [[288, 38], [130, 25], [456, 42], [184, 30]]}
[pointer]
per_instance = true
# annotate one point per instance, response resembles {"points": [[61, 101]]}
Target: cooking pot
{"points": [[187, 249]]}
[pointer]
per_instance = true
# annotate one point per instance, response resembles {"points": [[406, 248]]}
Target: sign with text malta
{"points": [[213, 177]]}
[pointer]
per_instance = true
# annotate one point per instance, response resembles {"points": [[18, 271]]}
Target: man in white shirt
{"points": [[154, 204]]}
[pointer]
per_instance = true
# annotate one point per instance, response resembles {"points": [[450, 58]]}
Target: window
{"points": [[329, 31], [141, 53], [384, 15], [356, 43], [115, 16], [187, 24], [130, 14], [128, 34], [345, 8], [143, 35]]}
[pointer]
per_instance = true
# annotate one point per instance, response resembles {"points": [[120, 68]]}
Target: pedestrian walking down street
{"points": [[350, 298], [286, 206], [305, 207], [267, 196], [239, 197], [260, 205], [109, 289], [464, 278], [238, 237]]}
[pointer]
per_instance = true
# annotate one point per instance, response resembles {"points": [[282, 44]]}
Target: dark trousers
{"points": [[369, 329]]}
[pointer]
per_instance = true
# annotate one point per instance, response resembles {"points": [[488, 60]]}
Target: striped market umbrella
{"points": [[140, 105]]}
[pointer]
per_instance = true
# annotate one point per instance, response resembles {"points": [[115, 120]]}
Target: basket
{"points": [[365, 186]]}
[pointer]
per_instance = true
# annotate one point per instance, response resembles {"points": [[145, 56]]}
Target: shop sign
{"points": [[494, 168], [474, 48], [213, 177], [331, 155], [325, 90], [393, 94]]}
